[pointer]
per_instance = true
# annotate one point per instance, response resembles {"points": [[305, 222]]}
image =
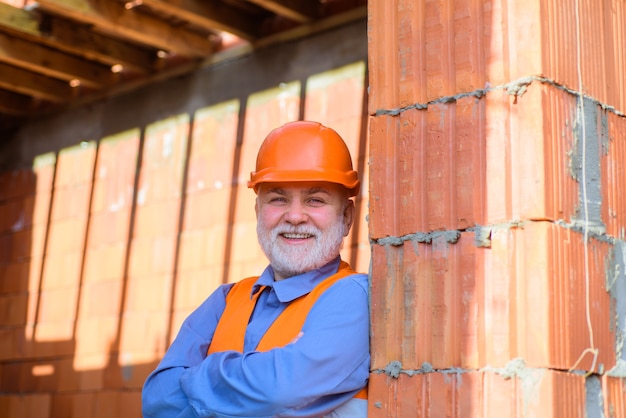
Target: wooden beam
{"points": [[34, 57], [111, 17], [26, 82], [15, 104], [297, 10], [210, 16], [317, 26], [19, 20], [75, 38], [81, 40]]}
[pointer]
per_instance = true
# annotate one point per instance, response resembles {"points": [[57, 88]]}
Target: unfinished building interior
{"points": [[491, 139]]}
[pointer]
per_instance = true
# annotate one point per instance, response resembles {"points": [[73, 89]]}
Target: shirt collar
{"points": [[293, 287]]}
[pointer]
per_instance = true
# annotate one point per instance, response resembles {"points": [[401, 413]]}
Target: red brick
{"points": [[10, 374], [17, 183], [457, 306], [202, 248], [75, 165], [426, 316], [614, 396], [336, 95], [37, 376], [244, 205], [44, 167], [115, 172], [61, 270], [157, 219], [214, 139], [14, 277], [27, 406], [152, 256], [144, 334], [419, 153], [66, 236], [422, 51], [21, 243], [600, 65], [54, 338], [71, 202], [5, 248], [59, 304], [165, 142], [148, 294], [101, 299], [490, 393], [94, 337], [16, 214], [13, 309], [38, 245], [73, 405], [163, 161], [66, 376], [245, 244], [130, 403], [193, 287], [106, 228], [566, 289], [105, 262], [41, 208], [432, 158], [207, 208]]}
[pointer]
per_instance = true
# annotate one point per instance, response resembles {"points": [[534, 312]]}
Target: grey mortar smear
{"points": [[530, 379], [593, 397], [450, 237], [482, 233], [586, 140], [616, 286], [394, 369], [515, 88]]}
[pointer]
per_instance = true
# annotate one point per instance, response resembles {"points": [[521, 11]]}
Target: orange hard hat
{"points": [[304, 151]]}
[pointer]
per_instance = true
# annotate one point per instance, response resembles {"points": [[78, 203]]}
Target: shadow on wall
{"points": [[105, 247]]}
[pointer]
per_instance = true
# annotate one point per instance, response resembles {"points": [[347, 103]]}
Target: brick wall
{"points": [[496, 208], [107, 244]]}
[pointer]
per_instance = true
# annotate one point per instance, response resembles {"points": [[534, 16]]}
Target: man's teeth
{"points": [[296, 236]]}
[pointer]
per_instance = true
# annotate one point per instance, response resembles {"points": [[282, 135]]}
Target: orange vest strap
{"points": [[231, 328]]}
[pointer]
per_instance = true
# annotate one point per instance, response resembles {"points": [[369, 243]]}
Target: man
{"points": [[293, 342]]}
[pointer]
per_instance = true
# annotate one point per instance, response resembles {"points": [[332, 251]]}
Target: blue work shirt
{"points": [[310, 377]]}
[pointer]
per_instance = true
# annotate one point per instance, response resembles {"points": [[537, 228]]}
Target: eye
{"points": [[316, 201], [277, 200]]}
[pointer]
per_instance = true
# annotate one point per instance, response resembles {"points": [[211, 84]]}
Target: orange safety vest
{"points": [[231, 328]]}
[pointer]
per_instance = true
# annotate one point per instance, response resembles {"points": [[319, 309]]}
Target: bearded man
{"points": [[294, 341]]}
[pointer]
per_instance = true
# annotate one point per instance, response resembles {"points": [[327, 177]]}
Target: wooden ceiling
{"points": [[58, 53]]}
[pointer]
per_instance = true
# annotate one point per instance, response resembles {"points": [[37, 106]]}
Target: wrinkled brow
{"points": [[281, 191]]}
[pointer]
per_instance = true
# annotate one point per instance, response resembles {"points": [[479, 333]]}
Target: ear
{"points": [[348, 216]]}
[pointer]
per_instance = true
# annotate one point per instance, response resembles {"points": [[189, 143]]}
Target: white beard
{"points": [[291, 260]]}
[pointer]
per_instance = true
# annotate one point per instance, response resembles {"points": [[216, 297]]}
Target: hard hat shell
{"points": [[304, 151]]}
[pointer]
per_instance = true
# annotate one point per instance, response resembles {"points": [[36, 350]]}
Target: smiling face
{"points": [[301, 226]]}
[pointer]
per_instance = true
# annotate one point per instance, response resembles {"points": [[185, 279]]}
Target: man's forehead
{"points": [[300, 187]]}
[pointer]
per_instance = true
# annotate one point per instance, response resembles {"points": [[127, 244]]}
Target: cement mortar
{"points": [[616, 286], [585, 163]]}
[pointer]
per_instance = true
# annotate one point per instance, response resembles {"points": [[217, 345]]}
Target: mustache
{"points": [[296, 229]]}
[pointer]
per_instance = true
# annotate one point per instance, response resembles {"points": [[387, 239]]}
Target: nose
{"points": [[296, 213]]}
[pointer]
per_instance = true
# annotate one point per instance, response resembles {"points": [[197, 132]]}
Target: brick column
{"points": [[497, 208]]}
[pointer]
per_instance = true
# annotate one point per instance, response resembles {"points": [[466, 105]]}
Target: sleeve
{"points": [[317, 373], [162, 396]]}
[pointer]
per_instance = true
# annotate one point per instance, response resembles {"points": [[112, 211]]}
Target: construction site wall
{"points": [[117, 219], [497, 208]]}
